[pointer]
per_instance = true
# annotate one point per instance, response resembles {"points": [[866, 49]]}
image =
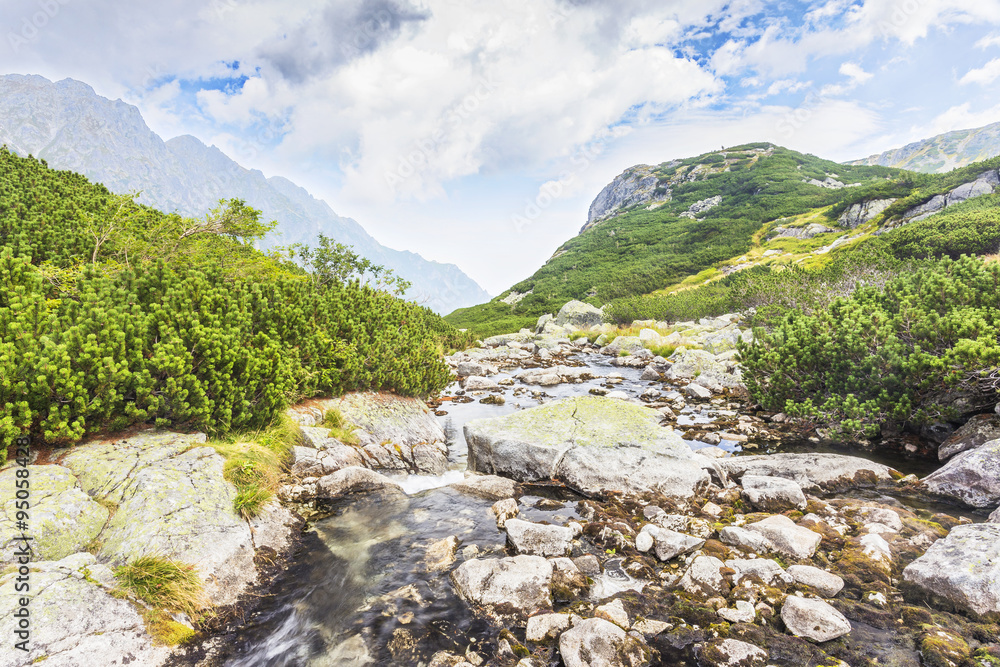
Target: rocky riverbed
{"points": [[565, 502]]}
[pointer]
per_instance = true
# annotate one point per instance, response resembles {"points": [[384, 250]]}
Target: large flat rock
{"points": [[172, 501], [62, 518], [592, 444], [596, 642], [963, 569], [971, 477], [814, 473], [507, 588], [75, 620], [395, 432]]}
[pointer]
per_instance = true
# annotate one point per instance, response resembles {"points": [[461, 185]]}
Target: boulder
{"points": [[722, 341], [568, 582], [380, 417], [64, 519], [542, 321], [75, 620], [880, 516], [554, 375], [490, 487], [962, 569], [507, 588], [859, 214], [503, 510], [691, 364], [613, 611], [650, 627], [974, 433], [650, 373], [747, 540], [171, 502], [732, 653], [649, 335], [703, 577], [592, 444], [741, 612], [972, 477], [105, 467], [812, 472], [628, 344], [995, 517], [772, 494], [787, 537], [310, 462], [667, 543], [353, 480], [473, 368], [522, 336], [596, 642], [476, 383], [825, 583], [579, 314], [697, 392], [813, 618], [538, 539], [546, 626], [769, 571]]}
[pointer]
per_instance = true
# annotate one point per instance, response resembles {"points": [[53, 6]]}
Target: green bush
{"points": [[898, 354], [221, 337]]}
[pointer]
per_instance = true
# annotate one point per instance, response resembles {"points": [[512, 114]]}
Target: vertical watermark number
{"points": [[22, 543]]}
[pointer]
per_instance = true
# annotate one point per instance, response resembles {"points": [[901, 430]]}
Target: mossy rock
{"points": [[941, 648], [63, 519]]}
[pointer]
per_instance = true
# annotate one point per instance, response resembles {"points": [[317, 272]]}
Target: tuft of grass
{"points": [[662, 350], [340, 428], [255, 463], [250, 500], [163, 583]]}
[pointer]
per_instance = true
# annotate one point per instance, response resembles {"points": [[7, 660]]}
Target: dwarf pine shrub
{"points": [[900, 354], [189, 326]]}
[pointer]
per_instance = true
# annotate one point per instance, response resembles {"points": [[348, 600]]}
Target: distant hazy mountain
{"points": [[943, 152], [72, 127]]}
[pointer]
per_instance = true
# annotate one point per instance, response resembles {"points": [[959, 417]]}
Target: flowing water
{"points": [[367, 575]]}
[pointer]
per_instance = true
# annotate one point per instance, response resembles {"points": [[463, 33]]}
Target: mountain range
{"points": [[942, 153], [70, 126]]}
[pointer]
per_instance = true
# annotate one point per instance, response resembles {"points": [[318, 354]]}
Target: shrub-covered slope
{"points": [[648, 247], [113, 313]]}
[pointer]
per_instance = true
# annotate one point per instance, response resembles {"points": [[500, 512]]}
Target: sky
{"points": [[477, 132]]}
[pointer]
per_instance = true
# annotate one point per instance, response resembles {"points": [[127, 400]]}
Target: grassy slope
{"points": [[640, 251], [657, 253]]}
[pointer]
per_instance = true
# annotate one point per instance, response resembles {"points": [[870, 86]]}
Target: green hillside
{"points": [[639, 251], [645, 263], [114, 314]]}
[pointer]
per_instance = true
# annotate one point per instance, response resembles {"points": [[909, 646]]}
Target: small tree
{"points": [[332, 262]]}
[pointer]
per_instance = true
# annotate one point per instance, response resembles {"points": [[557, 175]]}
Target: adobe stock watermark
{"points": [[553, 190], [31, 25], [222, 7], [22, 541], [423, 150], [901, 13], [366, 35]]}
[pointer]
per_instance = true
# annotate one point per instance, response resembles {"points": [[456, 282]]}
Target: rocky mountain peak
{"points": [[72, 127]]}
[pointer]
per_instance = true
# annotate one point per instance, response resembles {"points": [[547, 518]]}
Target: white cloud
{"points": [[431, 95], [961, 117], [984, 75], [855, 73], [988, 41]]}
